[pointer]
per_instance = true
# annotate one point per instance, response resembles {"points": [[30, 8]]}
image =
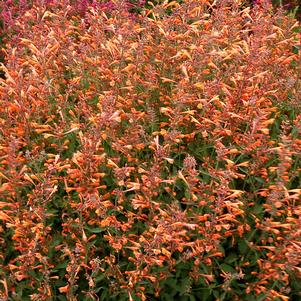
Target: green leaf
{"points": [[251, 298], [257, 209], [167, 297], [294, 63], [231, 258], [187, 194], [227, 268], [192, 298], [204, 294], [216, 293], [296, 49], [171, 282], [61, 266], [100, 277], [94, 230], [243, 246], [56, 241], [297, 29]]}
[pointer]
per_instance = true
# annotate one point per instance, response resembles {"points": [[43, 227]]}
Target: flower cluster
{"points": [[150, 156]]}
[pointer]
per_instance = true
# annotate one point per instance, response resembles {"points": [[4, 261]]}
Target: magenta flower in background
{"points": [[9, 10], [263, 3]]}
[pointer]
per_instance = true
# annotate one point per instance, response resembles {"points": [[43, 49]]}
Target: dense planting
{"points": [[151, 154]]}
